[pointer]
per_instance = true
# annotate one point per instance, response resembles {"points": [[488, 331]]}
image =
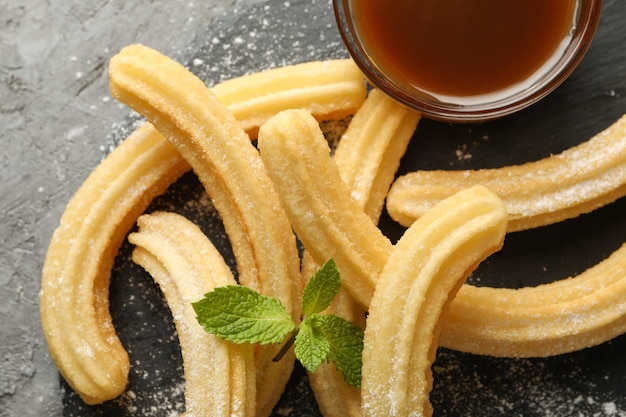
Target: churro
{"points": [[334, 397], [328, 89], [74, 300], [219, 376], [369, 152], [329, 223], [551, 319], [208, 136], [424, 271], [367, 157], [538, 193]]}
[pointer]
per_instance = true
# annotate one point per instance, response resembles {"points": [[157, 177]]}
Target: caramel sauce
{"points": [[462, 47]]}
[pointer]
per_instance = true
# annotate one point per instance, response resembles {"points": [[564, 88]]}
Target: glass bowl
{"points": [[479, 107]]}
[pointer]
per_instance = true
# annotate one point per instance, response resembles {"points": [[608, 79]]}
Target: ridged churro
{"points": [[556, 188], [367, 157], [219, 376], [208, 136], [551, 319], [334, 397], [328, 89], [369, 152], [329, 223], [74, 300], [426, 268]]}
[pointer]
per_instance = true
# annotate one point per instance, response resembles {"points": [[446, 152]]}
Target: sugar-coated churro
{"points": [[367, 157], [426, 268], [328, 89], [219, 376], [369, 152], [556, 188], [551, 319], [334, 397], [208, 136], [74, 300], [318, 202]]}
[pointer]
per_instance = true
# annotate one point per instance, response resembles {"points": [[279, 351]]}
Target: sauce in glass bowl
{"points": [[468, 60]]}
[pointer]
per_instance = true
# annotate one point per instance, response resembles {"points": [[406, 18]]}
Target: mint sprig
{"points": [[241, 315]]}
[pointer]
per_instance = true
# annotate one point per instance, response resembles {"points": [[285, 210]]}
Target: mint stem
{"points": [[286, 346]]}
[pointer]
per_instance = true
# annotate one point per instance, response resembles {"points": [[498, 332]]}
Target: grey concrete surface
{"points": [[56, 118]]}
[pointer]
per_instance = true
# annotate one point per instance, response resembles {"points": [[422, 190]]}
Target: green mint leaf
{"points": [[346, 345], [321, 289], [311, 347], [241, 315]]}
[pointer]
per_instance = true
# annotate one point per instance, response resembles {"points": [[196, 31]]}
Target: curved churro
{"points": [[208, 136], [328, 89], [329, 225], [560, 187], [550, 319], [369, 152], [334, 397], [216, 147], [367, 157], [426, 268], [219, 376], [74, 299]]}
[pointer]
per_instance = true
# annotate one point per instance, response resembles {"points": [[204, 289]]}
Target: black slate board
{"points": [[590, 382]]}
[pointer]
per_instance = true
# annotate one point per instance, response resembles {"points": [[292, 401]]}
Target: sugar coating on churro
{"points": [[538, 193], [219, 376], [425, 269]]}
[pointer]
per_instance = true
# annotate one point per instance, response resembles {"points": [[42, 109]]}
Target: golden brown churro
{"points": [[329, 222], [367, 157], [369, 152], [208, 136], [328, 89], [427, 266], [74, 299], [559, 187], [220, 153], [219, 376], [551, 319], [334, 397]]}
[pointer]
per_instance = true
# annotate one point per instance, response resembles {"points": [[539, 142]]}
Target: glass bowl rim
{"points": [[588, 18]]}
